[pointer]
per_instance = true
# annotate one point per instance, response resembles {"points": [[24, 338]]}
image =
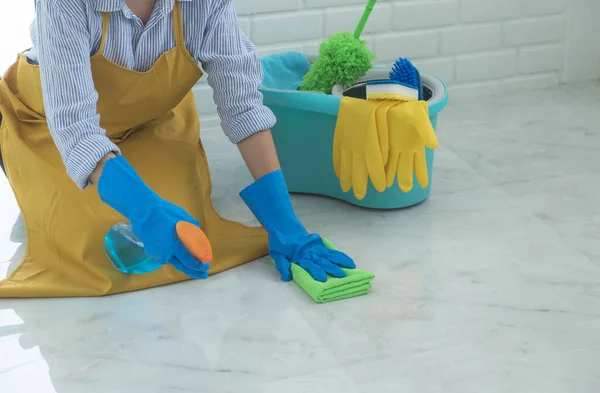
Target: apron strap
{"points": [[105, 20], [178, 25]]}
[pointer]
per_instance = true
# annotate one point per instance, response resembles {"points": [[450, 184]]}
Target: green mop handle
{"points": [[364, 19]]}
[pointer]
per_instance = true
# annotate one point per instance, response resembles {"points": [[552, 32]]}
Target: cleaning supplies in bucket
{"points": [[404, 84], [305, 128], [342, 59], [126, 252], [394, 118]]}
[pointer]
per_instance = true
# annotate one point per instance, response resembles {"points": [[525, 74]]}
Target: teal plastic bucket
{"points": [[303, 136]]}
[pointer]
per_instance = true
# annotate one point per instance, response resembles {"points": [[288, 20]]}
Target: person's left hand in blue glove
{"points": [[289, 242]]}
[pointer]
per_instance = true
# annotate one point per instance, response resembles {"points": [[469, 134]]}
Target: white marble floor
{"points": [[492, 285]]}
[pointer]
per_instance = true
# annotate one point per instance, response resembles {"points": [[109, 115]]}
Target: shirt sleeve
{"points": [[234, 72], [68, 88]]}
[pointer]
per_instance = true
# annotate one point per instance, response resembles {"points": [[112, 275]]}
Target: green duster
{"points": [[343, 59]]}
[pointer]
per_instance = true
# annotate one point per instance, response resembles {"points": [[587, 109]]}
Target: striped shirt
{"points": [[66, 33]]}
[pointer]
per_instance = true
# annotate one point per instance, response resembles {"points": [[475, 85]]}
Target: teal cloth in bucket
{"points": [[284, 70], [356, 283]]}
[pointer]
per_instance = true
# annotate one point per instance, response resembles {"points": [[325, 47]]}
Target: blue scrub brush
{"points": [[404, 84], [404, 72]]}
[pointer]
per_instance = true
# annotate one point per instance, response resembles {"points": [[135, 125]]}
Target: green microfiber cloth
{"points": [[356, 283]]}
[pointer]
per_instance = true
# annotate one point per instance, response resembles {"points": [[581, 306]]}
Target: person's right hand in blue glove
{"points": [[153, 219], [289, 242]]}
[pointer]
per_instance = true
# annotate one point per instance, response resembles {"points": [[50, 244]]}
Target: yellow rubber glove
{"points": [[410, 130], [382, 126], [356, 147]]}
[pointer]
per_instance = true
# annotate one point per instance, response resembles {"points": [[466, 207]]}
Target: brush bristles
{"points": [[404, 71]]}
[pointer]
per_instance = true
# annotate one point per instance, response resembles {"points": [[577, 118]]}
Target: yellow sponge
{"points": [[384, 89], [390, 90]]}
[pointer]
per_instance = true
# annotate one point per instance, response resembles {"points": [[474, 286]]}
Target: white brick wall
{"points": [[476, 46], [540, 42]]}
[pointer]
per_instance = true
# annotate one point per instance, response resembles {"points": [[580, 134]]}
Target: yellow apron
{"points": [[153, 118]]}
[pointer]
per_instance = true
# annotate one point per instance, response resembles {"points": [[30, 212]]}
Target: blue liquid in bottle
{"points": [[126, 252]]}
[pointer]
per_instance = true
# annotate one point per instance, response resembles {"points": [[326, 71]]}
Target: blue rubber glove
{"points": [[289, 242], [153, 220]]}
